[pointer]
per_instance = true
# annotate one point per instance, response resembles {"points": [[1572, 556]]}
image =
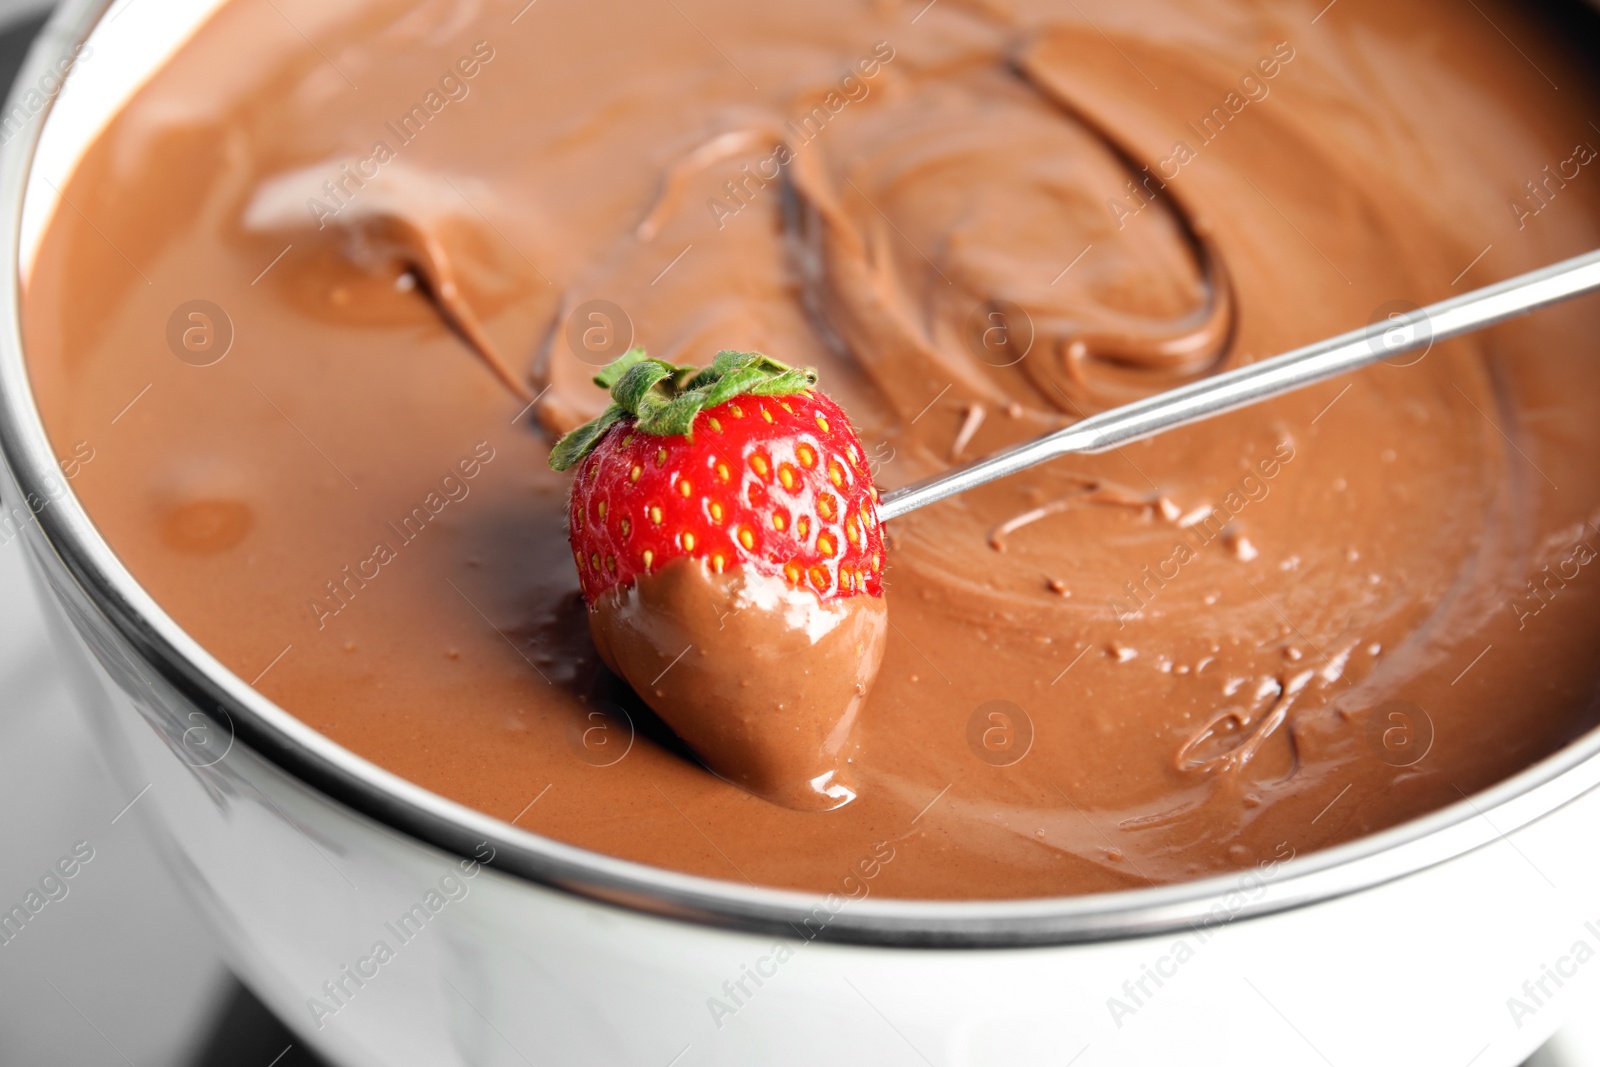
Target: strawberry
{"points": [[726, 533], [745, 462]]}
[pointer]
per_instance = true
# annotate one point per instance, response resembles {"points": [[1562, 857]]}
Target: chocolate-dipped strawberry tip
{"points": [[726, 533]]}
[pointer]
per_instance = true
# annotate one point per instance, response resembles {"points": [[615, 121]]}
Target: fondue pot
{"points": [[389, 926]]}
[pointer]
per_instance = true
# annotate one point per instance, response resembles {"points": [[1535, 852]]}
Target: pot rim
{"points": [[71, 543]]}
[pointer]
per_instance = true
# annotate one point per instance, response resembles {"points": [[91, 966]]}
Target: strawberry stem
{"points": [[664, 398]]}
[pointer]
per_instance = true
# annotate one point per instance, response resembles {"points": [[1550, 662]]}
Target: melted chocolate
{"points": [[761, 679], [1285, 628]]}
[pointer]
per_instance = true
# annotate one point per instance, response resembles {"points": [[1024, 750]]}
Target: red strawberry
{"points": [[777, 480], [739, 492]]}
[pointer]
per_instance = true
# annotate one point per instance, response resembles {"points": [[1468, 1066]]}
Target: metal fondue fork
{"points": [[1269, 378]]}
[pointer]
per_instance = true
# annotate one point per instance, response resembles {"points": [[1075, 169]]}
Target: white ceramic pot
{"points": [[1454, 939]]}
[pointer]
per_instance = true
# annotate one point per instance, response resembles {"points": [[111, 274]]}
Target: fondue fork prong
{"points": [[1269, 378]]}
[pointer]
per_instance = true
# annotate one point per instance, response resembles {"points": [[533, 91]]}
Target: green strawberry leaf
{"points": [[664, 399], [580, 442]]}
